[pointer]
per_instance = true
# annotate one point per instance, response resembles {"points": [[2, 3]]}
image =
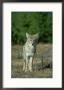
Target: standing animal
{"points": [[29, 50]]}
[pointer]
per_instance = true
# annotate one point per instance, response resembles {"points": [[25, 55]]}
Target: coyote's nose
{"points": [[32, 44]]}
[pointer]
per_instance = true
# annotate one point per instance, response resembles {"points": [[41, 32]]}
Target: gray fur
{"points": [[29, 49]]}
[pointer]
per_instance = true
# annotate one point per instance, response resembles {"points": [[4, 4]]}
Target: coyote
{"points": [[29, 50]]}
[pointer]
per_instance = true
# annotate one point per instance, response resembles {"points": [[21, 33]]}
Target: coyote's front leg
{"points": [[30, 64], [26, 65]]}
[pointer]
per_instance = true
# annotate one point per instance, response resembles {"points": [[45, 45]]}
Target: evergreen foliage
{"points": [[31, 22]]}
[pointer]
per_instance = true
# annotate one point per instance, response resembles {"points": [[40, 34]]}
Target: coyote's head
{"points": [[32, 39]]}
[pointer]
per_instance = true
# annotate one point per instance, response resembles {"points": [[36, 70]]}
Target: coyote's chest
{"points": [[29, 50]]}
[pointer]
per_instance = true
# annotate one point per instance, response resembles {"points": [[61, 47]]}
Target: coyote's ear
{"points": [[36, 36], [27, 35]]}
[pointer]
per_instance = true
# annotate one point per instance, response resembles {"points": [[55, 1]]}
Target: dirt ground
{"points": [[42, 63]]}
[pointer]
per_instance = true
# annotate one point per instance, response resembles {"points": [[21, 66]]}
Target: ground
{"points": [[42, 63]]}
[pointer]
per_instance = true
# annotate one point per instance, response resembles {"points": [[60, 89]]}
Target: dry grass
{"points": [[41, 62]]}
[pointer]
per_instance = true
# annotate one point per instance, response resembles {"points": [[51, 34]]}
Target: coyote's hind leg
{"points": [[24, 65]]}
